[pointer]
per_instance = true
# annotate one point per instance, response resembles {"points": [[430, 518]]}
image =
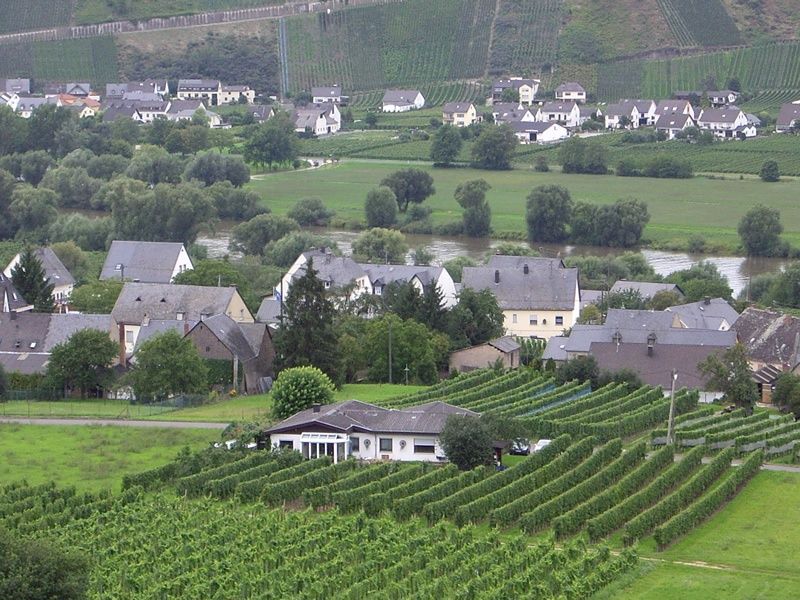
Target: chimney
{"points": [[525, 269], [315, 407], [651, 342], [497, 276], [707, 300]]}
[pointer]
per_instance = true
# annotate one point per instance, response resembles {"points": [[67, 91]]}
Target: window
{"points": [[559, 320], [354, 444], [424, 446], [514, 318], [533, 320], [386, 444], [128, 336], [286, 444]]}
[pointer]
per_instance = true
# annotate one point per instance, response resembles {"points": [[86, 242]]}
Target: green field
{"points": [[678, 208], [93, 59], [98, 11], [747, 550], [90, 458]]}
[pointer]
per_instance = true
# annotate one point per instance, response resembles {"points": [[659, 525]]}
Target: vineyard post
{"points": [[671, 424]]}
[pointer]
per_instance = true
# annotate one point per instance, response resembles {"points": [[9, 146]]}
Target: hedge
{"points": [[747, 429], [414, 504], [572, 521], [784, 428], [583, 491], [447, 506], [615, 517], [698, 512], [677, 500]]}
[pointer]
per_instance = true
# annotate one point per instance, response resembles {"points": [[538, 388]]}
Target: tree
{"points": [[73, 258], [300, 388], [583, 223], [595, 160], [33, 211], [629, 377], [403, 299], [284, 252], [213, 273], [471, 196], [380, 207], [307, 336], [272, 142], [455, 266], [88, 233], [3, 382], [83, 361], [166, 365], [548, 213], [663, 299], [32, 569], [409, 186], [106, 166], [782, 289], [760, 230], [734, 84], [621, 224], [446, 145], [770, 171], [311, 212], [211, 167], [467, 442], [371, 119], [475, 319], [7, 184], [512, 249], [378, 245], [96, 297], [590, 315], [30, 280], [235, 203], [253, 236], [583, 368], [154, 165], [34, 165], [730, 373], [701, 280], [74, 186], [787, 393], [571, 155], [413, 345], [494, 148]]}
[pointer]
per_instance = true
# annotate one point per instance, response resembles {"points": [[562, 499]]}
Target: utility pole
{"points": [[406, 371], [671, 423], [390, 351]]}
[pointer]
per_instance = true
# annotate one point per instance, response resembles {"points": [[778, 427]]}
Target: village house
{"points": [[566, 113], [127, 90], [716, 98], [709, 313], [646, 289], [525, 88], [247, 347], [54, 271], [589, 113], [21, 87], [539, 297], [236, 94], [460, 114], [318, 119], [79, 89], [672, 124], [622, 114], [331, 93], [788, 118], [729, 122], [674, 107], [504, 351], [139, 303], [570, 91], [26, 106], [9, 99], [10, 299], [113, 112], [402, 100], [207, 90], [366, 431], [538, 133], [509, 112], [145, 262], [185, 110]]}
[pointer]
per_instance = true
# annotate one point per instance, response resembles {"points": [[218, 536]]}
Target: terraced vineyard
{"points": [[689, 21], [525, 36], [405, 44], [92, 59], [23, 15]]}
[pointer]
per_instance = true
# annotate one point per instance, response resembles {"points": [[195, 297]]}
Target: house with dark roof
{"points": [[538, 297], [247, 347], [510, 112], [570, 91], [402, 100], [567, 113], [788, 118], [331, 93], [145, 262], [319, 119], [727, 122], [367, 432], [673, 107], [10, 299], [199, 89], [638, 113], [709, 313], [672, 124], [460, 114], [647, 289], [54, 271], [525, 88], [21, 87], [505, 350], [82, 89]]}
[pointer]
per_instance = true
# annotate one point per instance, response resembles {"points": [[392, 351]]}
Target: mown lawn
{"points": [[678, 208], [99, 408], [89, 458]]}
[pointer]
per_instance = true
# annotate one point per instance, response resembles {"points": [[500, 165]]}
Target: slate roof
{"points": [[230, 334], [138, 301], [54, 269], [16, 86], [570, 86], [198, 85], [182, 106], [269, 311], [674, 121], [591, 297], [148, 262], [664, 107], [153, 327], [770, 337], [788, 115], [505, 344], [338, 271], [31, 104], [400, 96], [9, 293], [559, 107], [620, 109], [506, 261], [543, 288], [114, 113], [386, 274], [646, 288], [531, 126], [354, 416], [556, 349], [726, 114], [706, 313], [333, 91], [62, 326], [456, 107]]}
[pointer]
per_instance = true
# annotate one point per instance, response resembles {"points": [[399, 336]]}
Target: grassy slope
{"points": [[89, 458], [753, 540], [678, 207], [97, 11]]}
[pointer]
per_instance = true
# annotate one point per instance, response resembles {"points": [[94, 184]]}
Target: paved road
{"points": [[116, 422]]}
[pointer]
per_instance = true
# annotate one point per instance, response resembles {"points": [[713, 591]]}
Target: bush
{"points": [[380, 207], [770, 171], [311, 211], [299, 388]]}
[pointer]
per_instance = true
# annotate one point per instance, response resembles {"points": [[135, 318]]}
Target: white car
{"points": [[540, 445]]}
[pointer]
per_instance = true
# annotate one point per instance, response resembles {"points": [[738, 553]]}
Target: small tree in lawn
{"points": [[471, 196], [467, 442], [730, 373], [30, 280], [760, 229], [494, 148], [380, 207], [299, 388], [549, 210], [83, 361], [770, 172], [447, 142], [409, 186], [168, 364]]}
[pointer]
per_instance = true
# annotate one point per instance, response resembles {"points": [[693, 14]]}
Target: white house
{"points": [[570, 91], [199, 89], [508, 112], [331, 93], [146, 262], [674, 107], [402, 100], [9, 99], [319, 119], [566, 113], [671, 124], [366, 432], [526, 88], [538, 133], [460, 114], [615, 113], [788, 117], [725, 122], [54, 271], [185, 110]]}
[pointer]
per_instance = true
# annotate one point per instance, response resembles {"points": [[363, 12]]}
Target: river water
{"points": [[736, 268]]}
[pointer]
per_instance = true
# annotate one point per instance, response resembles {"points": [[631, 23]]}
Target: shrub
{"points": [[770, 171], [311, 211], [299, 388]]}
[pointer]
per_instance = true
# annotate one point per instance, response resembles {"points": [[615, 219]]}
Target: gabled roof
{"points": [[113, 113], [507, 261], [182, 106], [148, 262], [354, 416], [381, 275], [198, 85], [228, 331], [140, 301], [570, 86], [789, 114], [621, 109], [400, 96], [456, 107], [16, 86], [559, 107], [54, 269], [646, 288], [153, 327], [542, 288], [671, 106], [10, 295], [726, 114], [269, 311], [769, 337], [674, 121], [333, 91], [338, 271], [705, 314], [62, 326], [505, 344], [532, 126]]}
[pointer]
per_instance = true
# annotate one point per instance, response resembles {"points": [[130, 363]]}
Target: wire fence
{"points": [[47, 403]]}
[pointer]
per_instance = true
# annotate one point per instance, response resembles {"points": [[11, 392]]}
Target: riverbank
{"points": [[679, 209]]}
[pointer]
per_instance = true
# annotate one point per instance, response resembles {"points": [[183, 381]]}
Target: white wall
{"points": [[371, 451], [184, 263]]}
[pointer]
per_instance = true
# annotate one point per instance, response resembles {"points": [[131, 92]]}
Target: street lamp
{"points": [[406, 372], [671, 423]]}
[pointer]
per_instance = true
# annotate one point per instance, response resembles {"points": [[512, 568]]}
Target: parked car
{"points": [[520, 447], [540, 445]]}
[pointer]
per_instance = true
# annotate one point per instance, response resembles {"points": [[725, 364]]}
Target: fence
{"points": [[24, 403]]}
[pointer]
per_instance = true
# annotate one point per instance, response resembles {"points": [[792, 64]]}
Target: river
{"points": [[443, 248]]}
